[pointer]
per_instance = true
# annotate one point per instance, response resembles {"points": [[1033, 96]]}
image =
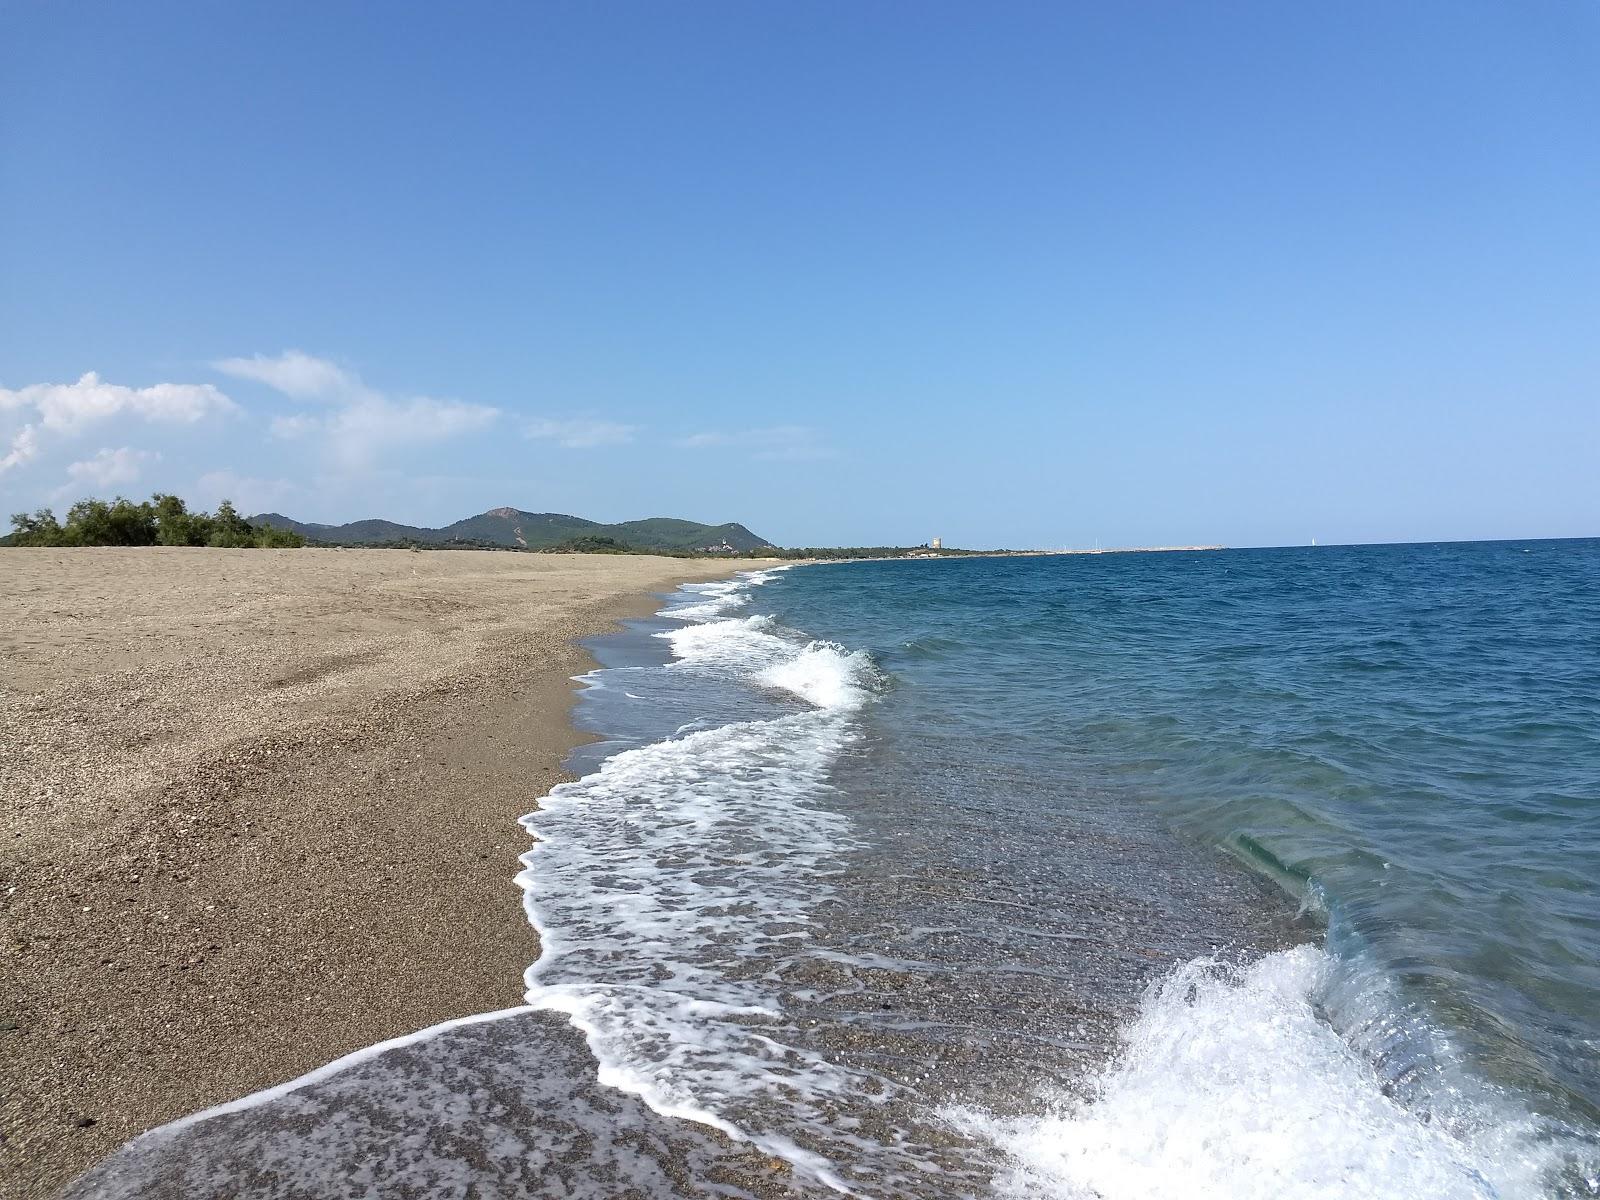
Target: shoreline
{"points": [[275, 835]]}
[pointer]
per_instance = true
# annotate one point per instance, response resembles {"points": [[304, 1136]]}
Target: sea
{"points": [[1237, 873]]}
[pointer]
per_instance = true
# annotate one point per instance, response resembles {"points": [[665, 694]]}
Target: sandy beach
{"points": [[260, 810]]}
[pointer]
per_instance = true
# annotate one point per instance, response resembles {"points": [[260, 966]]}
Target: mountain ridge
{"points": [[518, 529]]}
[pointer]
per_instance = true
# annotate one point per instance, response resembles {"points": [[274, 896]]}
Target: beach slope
{"points": [[260, 810]]}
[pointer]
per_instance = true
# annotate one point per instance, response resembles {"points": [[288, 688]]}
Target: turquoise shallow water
{"points": [[1040, 769], [1407, 736]]}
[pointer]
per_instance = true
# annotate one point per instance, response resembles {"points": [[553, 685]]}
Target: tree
{"points": [[270, 537], [229, 529], [120, 523], [162, 520], [176, 525], [38, 528]]}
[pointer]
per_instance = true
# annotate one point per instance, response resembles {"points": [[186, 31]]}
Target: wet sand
{"points": [[260, 810]]}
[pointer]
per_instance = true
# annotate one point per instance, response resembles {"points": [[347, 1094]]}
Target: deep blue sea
{"points": [[1248, 873]]}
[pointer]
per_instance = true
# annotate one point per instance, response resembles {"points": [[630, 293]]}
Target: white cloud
{"points": [[294, 373], [108, 468], [786, 443], [24, 446], [70, 408], [376, 420], [579, 433], [362, 421]]}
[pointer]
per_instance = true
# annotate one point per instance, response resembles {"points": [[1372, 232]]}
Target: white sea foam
{"points": [[714, 598], [1232, 1084], [825, 674], [659, 878], [707, 609], [734, 646], [654, 879], [760, 651]]}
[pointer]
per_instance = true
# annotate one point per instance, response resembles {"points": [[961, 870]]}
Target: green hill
{"points": [[513, 528], [684, 535]]}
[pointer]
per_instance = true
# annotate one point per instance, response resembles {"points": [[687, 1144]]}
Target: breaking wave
{"points": [[1295, 1077]]}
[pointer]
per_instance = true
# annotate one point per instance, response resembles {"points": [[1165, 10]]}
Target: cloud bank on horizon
{"points": [[336, 425]]}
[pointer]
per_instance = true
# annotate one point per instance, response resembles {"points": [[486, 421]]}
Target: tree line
{"points": [[162, 520]]}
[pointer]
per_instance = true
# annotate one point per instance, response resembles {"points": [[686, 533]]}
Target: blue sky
{"points": [[1014, 274]]}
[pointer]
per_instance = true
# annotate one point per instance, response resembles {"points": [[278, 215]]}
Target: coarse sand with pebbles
{"points": [[260, 809]]}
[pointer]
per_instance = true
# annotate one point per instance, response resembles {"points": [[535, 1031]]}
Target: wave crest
{"points": [[1232, 1084], [761, 651]]}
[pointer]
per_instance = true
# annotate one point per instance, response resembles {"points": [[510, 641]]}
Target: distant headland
{"points": [[516, 529], [166, 520]]}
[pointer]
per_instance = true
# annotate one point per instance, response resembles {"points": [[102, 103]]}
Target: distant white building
{"points": [[936, 544]]}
